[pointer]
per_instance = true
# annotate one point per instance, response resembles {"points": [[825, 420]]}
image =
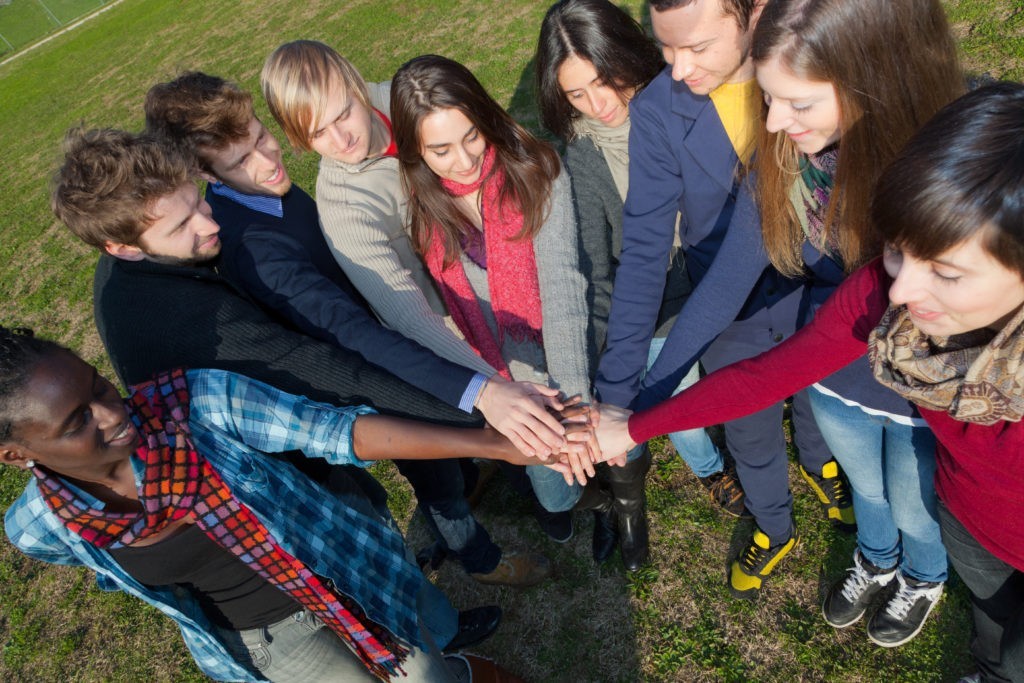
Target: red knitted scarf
{"points": [[511, 271], [178, 481]]}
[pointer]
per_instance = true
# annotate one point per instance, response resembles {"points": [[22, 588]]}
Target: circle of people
{"points": [[805, 198]]}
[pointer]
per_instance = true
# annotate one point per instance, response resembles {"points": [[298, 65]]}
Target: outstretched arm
{"points": [[836, 337]]}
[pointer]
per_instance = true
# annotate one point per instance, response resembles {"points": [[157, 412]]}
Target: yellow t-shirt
{"points": [[739, 107]]}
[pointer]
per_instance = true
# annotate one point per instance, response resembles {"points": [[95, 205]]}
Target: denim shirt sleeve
{"points": [[269, 420]]}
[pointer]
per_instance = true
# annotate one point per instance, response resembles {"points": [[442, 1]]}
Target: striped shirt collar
{"points": [[273, 206]]}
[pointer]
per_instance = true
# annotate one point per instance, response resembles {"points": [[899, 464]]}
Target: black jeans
{"points": [[997, 602]]}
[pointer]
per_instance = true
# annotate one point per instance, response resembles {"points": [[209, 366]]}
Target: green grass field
{"points": [[23, 22], [674, 621]]}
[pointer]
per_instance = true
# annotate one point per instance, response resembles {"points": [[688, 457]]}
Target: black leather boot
{"points": [[627, 484], [597, 498]]}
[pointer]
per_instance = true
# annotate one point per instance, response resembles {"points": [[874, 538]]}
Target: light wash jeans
{"points": [[301, 649], [694, 446], [891, 468], [551, 490]]}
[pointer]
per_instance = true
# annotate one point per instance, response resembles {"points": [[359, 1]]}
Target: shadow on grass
{"points": [[576, 626]]}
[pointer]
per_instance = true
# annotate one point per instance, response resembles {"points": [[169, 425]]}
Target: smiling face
{"points": [[704, 46], [451, 146], [591, 96], [963, 289], [72, 421], [181, 232], [251, 165], [807, 111], [345, 132]]}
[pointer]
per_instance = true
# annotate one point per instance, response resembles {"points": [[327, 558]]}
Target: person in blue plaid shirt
{"points": [[171, 496]]}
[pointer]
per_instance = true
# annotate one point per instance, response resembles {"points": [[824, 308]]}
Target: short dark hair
{"points": [[742, 10], [197, 110], [602, 34], [960, 174], [109, 180], [20, 351]]}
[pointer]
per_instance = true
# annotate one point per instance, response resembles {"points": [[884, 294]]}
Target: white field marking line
{"points": [[67, 28]]}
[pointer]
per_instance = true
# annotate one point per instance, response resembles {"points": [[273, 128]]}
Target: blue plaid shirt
{"points": [[234, 420]]}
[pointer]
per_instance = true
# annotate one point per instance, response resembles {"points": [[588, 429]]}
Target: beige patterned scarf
{"points": [[974, 377]]}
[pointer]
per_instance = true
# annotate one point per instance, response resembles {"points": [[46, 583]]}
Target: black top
{"points": [[153, 316], [232, 595]]}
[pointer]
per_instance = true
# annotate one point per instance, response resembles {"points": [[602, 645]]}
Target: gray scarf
{"points": [[614, 145]]}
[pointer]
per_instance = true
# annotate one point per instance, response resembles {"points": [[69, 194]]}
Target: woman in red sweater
{"points": [[942, 316]]}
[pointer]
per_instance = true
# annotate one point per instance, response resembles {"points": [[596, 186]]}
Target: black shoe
{"points": [[849, 598], [727, 493], [597, 498], [557, 525], [627, 484], [606, 535], [475, 626], [431, 557], [904, 615]]}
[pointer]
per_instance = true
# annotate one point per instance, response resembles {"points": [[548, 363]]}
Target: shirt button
{"points": [[777, 338]]}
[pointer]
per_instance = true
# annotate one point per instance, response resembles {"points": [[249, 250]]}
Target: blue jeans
{"points": [[693, 445], [439, 489], [891, 468], [551, 490]]}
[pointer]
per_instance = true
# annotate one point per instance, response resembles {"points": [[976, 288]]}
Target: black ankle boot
{"points": [[627, 484], [596, 497]]}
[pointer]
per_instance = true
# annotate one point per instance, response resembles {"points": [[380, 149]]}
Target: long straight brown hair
{"points": [[893, 64], [429, 83]]}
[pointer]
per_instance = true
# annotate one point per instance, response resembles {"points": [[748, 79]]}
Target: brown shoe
{"points": [[483, 670], [727, 492], [517, 569]]}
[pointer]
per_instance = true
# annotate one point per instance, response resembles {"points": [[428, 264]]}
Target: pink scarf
{"points": [[511, 272]]}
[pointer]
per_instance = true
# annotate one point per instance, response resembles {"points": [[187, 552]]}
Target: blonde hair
{"points": [[295, 81]]}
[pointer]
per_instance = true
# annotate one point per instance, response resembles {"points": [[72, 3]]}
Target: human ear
{"points": [[14, 454], [126, 252], [755, 14], [207, 176]]}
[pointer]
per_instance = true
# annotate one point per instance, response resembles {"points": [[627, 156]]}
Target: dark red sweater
{"points": [[980, 474]]}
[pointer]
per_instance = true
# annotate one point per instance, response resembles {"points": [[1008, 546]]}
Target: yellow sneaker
{"points": [[752, 567], [833, 491]]}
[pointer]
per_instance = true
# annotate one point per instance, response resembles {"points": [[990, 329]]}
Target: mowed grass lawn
{"points": [[674, 621]]}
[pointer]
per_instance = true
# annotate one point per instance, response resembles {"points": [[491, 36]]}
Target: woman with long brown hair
{"points": [[491, 213], [846, 83]]}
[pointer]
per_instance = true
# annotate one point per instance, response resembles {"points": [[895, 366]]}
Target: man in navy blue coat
{"points": [[692, 131]]}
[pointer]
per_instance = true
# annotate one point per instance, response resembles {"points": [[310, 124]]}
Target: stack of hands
{"points": [[563, 434]]}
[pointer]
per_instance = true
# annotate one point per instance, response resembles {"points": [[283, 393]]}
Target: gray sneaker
{"points": [[904, 615], [849, 598]]}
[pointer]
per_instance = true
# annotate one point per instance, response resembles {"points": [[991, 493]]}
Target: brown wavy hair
{"points": [[893, 65], [196, 111], [109, 181], [429, 83]]}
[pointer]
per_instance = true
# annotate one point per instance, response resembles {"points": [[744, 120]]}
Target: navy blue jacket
{"points": [[681, 160], [285, 264]]}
